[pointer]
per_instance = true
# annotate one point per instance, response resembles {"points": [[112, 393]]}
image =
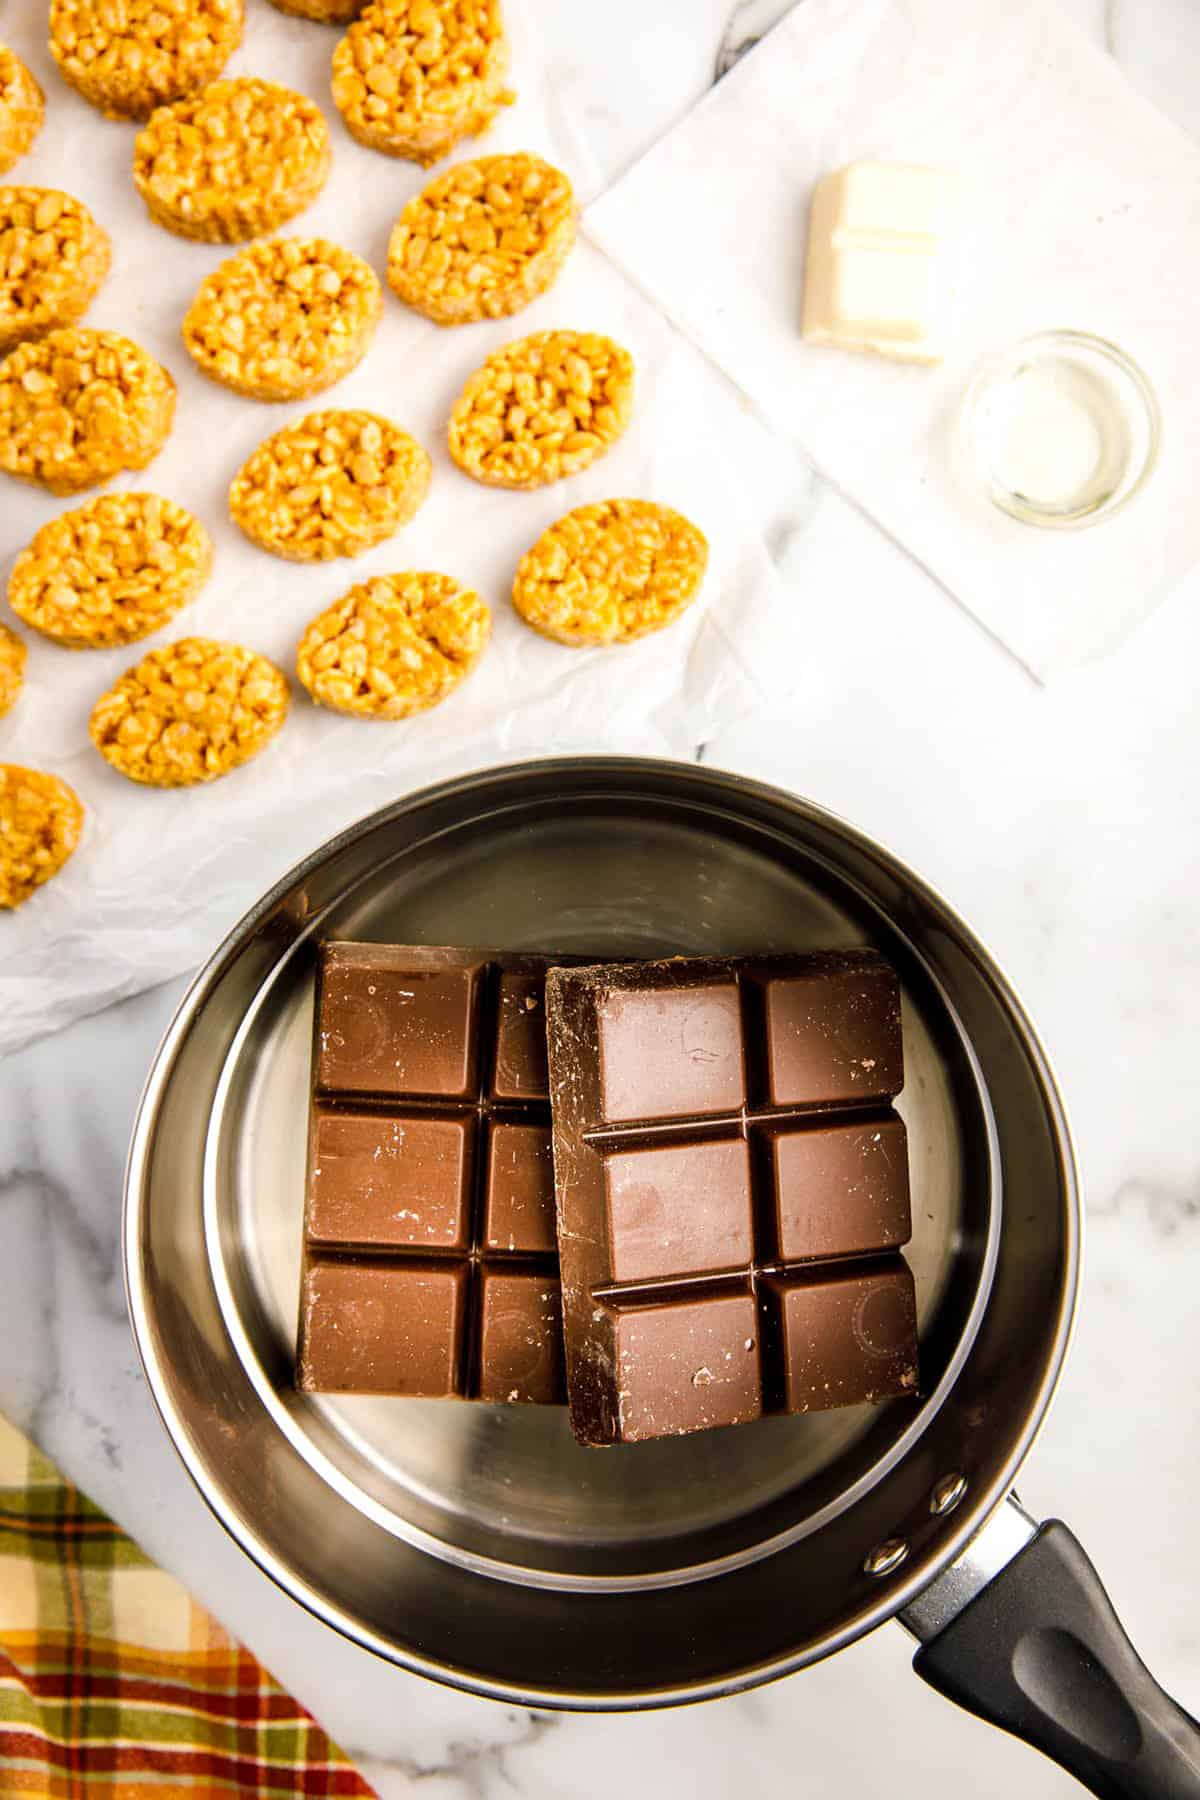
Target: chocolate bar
{"points": [[430, 1265], [732, 1188]]}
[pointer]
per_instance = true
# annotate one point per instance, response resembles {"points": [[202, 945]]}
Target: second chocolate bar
{"points": [[430, 1265], [732, 1188]]}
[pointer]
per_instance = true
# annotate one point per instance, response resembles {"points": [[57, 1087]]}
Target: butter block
{"points": [[876, 276]]}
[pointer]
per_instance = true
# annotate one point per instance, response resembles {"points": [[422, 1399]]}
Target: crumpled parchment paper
{"points": [[159, 875]]}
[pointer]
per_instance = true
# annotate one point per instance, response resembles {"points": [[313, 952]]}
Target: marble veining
{"points": [[1061, 822], [1169, 1207], [474, 1766], [746, 26]]}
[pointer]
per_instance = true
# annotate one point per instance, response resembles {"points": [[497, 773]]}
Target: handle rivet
{"points": [[947, 1494], [885, 1557]]}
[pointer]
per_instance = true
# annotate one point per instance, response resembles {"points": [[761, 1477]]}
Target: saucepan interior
{"points": [[389, 1516]]}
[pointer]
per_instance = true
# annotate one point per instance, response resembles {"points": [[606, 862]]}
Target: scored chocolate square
{"points": [[732, 1190], [430, 1260]]}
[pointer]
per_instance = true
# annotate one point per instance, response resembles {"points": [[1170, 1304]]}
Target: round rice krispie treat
{"points": [[12, 668], [40, 821], [129, 56], [53, 258], [77, 406], [610, 573], [541, 408], [190, 713], [110, 572], [238, 159], [332, 485], [414, 77], [482, 240], [22, 108], [284, 319], [393, 646], [325, 12]]}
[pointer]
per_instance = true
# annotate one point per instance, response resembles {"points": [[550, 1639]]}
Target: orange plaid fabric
{"points": [[114, 1684]]}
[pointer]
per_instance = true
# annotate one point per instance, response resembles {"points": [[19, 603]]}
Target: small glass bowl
{"points": [[1061, 430]]}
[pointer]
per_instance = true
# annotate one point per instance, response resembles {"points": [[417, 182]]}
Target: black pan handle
{"points": [[1040, 1652]]}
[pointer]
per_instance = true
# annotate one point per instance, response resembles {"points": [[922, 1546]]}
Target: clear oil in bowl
{"points": [[1061, 430]]}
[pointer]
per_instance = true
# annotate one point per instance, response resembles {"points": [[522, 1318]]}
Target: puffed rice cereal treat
{"points": [[482, 240], [414, 77], [393, 646], [12, 668], [22, 108], [332, 485], [40, 821], [284, 319], [190, 712], [325, 12], [53, 259], [110, 572], [541, 408], [77, 406], [129, 56], [236, 160], [610, 573]]}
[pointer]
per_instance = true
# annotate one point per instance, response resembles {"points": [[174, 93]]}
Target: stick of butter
{"points": [[875, 278]]}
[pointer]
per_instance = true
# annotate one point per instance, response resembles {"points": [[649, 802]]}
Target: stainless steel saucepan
{"points": [[481, 1545]]}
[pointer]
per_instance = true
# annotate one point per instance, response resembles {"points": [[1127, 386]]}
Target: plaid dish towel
{"points": [[114, 1684]]}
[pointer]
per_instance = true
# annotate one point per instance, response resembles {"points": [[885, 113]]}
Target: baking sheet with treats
{"points": [[158, 874], [1081, 209]]}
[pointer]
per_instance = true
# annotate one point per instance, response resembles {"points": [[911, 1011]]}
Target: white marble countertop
{"points": [[1062, 822]]}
